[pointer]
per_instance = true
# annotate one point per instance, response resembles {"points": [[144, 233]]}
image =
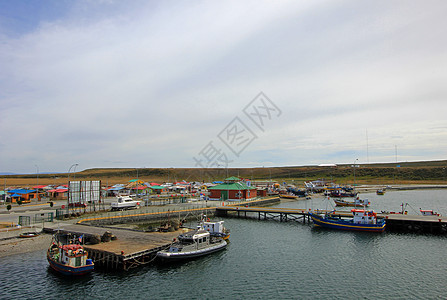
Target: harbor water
{"points": [[269, 260]]}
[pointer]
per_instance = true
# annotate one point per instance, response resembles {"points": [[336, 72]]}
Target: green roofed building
{"points": [[232, 189], [157, 189]]}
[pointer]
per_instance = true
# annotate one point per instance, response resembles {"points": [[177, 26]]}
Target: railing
{"points": [[152, 211]]}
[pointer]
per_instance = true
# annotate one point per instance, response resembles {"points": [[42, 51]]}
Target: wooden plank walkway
{"points": [[395, 222], [266, 213]]}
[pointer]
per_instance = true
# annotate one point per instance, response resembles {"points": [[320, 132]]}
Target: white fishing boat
{"points": [[124, 203], [355, 203], [192, 244]]}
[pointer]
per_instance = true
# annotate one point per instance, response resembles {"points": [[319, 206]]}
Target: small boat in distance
{"points": [[28, 234], [342, 193], [287, 196], [69, 259], [362, 220], [192, 244], [124, 203], [297, 192], [429, 212], [355, 203]]}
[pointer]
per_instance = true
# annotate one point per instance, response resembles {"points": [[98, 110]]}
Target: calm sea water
{"points": [[268, 260]]}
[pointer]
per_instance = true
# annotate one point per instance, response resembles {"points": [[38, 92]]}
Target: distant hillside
{"points": [[423, 171]]}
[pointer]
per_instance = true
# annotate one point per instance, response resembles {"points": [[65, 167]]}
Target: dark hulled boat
{"points": [[362, 220]]}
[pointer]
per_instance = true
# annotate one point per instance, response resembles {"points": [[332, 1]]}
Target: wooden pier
{"points": [[264, 213], [394, 222]]}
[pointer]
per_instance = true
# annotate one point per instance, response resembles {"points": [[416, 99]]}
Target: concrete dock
{"points": [[130, 249]]}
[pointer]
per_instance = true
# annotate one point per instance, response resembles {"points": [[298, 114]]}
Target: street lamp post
{"points": [[68, 178], [74, 172], [355, 161]]}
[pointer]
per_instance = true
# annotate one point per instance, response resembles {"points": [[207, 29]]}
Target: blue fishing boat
{"points": [[69, 259], [361, 220]]}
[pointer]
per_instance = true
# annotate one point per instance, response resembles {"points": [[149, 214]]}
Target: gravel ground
{"points": [[22, 245]]}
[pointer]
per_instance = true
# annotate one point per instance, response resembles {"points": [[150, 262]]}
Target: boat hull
{"points": [[69, 270], [179, 256], [221, 235], [28, 235], [338, 194], [350, 204], [345, 225], [288, 196]]}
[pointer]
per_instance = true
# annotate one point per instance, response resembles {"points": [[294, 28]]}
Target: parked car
{"points": [[77, 204]]}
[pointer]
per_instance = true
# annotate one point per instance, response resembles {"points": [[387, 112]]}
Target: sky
{"points": [[134, 84]]}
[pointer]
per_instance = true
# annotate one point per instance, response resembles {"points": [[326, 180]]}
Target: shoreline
{"points": [[16, 245]]}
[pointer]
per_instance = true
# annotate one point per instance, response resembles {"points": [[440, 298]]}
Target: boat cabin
{"points": [[72, 255], [125, 199], [428, 212], [214, 227], [362, 216], [199, 239]]}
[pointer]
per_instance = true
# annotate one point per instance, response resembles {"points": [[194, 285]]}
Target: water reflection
{"points": [[266, 260]]}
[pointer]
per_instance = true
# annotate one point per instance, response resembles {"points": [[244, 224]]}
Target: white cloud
{"points": [[152, 83]]}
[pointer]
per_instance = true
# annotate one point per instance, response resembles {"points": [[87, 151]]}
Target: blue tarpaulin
{"points": [[21, 191]]}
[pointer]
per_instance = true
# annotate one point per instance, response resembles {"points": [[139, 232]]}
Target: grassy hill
{"points": [[380, 173]]}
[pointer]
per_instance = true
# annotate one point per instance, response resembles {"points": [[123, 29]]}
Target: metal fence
{"points": [[44, 217]]}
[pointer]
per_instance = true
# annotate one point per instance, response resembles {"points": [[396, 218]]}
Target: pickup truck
{"points": [[125, 202]]}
